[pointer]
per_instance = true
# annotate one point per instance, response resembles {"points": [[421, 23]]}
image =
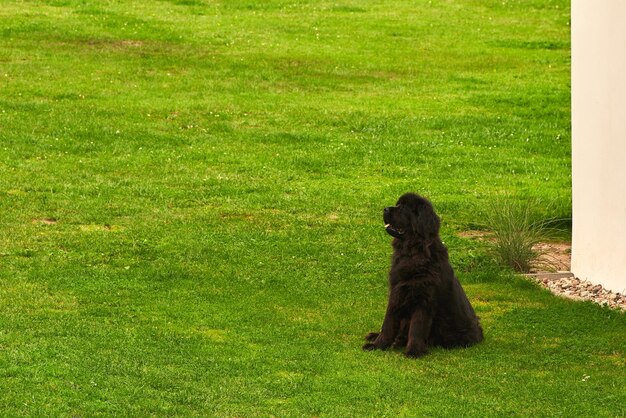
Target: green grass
{"points": [[191, 196]]}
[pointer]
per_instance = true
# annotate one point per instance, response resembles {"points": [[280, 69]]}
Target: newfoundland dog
{"points": [[427, 305]]}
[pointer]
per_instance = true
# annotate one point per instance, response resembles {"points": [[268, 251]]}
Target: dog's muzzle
{"points": [[391, 230]]}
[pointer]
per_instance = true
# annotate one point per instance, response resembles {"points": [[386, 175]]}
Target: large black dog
{"points": [[427, 305]]}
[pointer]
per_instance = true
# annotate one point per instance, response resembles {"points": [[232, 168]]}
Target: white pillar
{"points": [[599, 142]]}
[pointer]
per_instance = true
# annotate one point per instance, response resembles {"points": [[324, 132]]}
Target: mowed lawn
{"points": [[191, 195]]}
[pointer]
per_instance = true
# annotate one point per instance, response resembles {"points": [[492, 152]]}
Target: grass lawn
{"points": [[191, 195]]}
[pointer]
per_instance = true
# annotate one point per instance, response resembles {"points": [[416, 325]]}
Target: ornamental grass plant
{"points": [[516, 232]]}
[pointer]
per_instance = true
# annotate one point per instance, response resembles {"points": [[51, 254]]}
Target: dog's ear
{"points": [[426, 224]]}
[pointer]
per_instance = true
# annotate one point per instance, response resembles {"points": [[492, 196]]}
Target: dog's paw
{"points": [[400, 342], [415, 353], [372, 336], [369, 347]]}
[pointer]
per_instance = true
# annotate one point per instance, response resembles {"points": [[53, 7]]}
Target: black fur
{"points": [[427, 305]]}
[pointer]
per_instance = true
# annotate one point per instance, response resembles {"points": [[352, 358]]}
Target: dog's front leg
{"points": [[387, 335], [401, 338], [419, 330]]}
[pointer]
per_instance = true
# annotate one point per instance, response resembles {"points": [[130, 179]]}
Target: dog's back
{"points": [[456, 323]]}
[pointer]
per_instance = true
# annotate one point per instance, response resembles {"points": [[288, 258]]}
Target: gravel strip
{"points": [[570, 287]]}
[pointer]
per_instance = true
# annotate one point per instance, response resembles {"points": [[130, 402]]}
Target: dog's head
{"points": [[412, 219]]}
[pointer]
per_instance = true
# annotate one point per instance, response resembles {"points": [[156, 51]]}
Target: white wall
{"points": [[599, 141]]}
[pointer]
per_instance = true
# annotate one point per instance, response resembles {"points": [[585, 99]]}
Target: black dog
{"points": [[427, 305]]}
